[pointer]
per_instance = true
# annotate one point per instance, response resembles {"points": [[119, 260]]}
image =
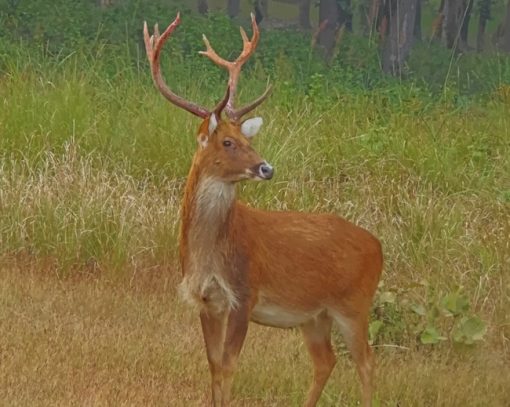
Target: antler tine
{"points": [[238, 113], [222, 103], [156, 34], [234, 68], [213, 56], [153, 46], [249, 45]]}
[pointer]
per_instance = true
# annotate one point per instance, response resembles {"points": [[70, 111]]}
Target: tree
{"points": [[451, 24], [464, 28], [261, 10], [399, 17], [504, 42], [345, 14], [328, 26], [304, 14], [233, 8], [202, 6], [104, 4], [417, 21], [378, 16], [333, 15], [437, 24], [364, 16], [484, 10]]}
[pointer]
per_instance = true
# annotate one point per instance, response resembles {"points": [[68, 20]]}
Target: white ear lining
{"points": [[251, 127], [213, 123]]}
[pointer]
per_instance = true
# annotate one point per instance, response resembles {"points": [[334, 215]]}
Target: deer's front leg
{"points": [[237, 327], [213, 328]]}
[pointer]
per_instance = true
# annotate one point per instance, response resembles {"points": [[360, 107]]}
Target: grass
{"points": [[89, 341], [91, 175]]}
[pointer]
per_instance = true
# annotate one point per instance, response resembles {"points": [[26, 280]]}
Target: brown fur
{"points": [[276, 268]]}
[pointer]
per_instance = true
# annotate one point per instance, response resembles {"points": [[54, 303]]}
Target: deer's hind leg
{"points": [[355, 334], [317, 336]]}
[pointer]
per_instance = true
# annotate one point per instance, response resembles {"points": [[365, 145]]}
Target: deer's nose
{"points": [[265, 171]]}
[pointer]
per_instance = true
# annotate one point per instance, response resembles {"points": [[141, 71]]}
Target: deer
{"points": [[280, 269]]}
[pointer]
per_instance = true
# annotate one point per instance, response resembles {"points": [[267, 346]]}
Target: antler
{"points": [[234, 69], [153, 45]]}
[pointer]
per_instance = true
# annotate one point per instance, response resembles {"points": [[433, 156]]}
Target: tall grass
{"points": [[92, 166]]}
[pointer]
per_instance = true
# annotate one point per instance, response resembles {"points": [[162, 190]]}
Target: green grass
{"points": [[91, 176]]}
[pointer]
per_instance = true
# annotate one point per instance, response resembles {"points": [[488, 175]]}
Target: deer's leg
{"points": [[213, 329], [355, 334], [317, 336], [237, 327]]}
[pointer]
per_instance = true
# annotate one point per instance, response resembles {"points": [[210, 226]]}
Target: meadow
{"points": [[92, 167]]}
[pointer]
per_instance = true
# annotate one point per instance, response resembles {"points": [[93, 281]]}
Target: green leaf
{"points": [[431, 336], [419, 309], [469, 329], [454, 304]]}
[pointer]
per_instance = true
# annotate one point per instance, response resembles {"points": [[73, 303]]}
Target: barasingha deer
{"points": [[281, 269]]}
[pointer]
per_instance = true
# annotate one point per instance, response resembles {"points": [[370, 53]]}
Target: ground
{"points": [[89, 340]]}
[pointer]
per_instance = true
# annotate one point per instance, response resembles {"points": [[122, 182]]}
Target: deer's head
{"points": [[223, 143]]}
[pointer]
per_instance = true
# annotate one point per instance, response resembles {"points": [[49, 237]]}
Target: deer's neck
{"points": [[207, 212], [207, 215]]}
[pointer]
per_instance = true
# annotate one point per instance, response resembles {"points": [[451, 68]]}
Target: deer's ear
{"points": [[251, 127]]}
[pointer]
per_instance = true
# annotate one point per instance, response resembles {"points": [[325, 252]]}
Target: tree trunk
{"points": [[437, 24], [328, 21], [417, 21], [505, 38], [454, 13], [364, 16], [233, 8], [400, 17], [304, 14], [202, 6], [450, 26], [261, 10], [379, 13], [464, 29], [345, 15], [375, 12], [104, 4], [485, 15]]}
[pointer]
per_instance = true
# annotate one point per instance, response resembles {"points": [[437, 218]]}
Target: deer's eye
{"points": [[227, 143]]}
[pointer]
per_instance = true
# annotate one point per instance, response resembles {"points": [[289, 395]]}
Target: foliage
{"points": [[55, 30], [437, 320]]}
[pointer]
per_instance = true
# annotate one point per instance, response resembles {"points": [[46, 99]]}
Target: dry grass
{"points": [[90, 185], [101, 341]]}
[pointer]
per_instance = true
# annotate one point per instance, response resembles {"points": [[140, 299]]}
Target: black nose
{"points": [[265, 171]]}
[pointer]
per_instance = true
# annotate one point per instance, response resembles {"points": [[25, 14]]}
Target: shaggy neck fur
{"points": [[207, 212], [207, 209]]}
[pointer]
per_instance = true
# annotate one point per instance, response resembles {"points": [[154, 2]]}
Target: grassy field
{"points": [[91, 175], [95, 342]]}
